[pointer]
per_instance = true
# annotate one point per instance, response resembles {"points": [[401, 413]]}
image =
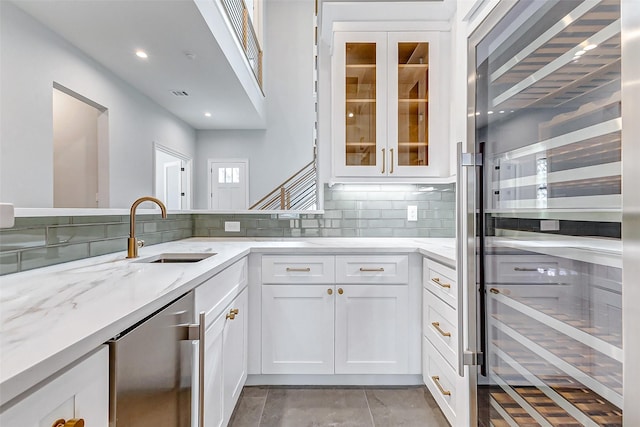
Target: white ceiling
{"points": [[110, 31]]}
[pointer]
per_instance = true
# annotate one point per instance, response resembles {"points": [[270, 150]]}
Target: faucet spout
{"points": [[132, 243]]}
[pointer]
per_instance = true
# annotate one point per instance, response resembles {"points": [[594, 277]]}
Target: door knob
{"points": [[330, 291]]}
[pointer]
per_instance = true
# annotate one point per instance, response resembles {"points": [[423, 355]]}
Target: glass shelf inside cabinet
{"points": [[413, 104], [360, 104]]}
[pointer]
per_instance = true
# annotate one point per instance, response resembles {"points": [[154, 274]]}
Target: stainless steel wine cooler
{"points": [[543, 236]]}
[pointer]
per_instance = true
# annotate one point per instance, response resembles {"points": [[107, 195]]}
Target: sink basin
{"points": [[176, 258]]}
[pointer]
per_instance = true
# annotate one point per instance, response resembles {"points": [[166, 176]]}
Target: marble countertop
{"points": [[51, 316]]}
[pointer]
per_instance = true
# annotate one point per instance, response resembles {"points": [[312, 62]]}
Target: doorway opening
{"points": [[172, 177], [228, 184], [80, 151]]}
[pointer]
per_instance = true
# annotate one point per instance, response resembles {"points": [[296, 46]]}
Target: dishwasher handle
{"points": [[196, 332]]}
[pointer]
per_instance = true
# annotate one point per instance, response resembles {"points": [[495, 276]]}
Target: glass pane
{"points": [[548, 111], [228, 175], [221, 175], [360, 104], [236, 175], [413, 104]]}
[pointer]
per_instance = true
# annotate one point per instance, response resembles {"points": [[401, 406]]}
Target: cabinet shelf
{"points": [[413, 100], [360, 65], [361, 143], [360, 100]]}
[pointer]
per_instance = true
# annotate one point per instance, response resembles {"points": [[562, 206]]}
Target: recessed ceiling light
{"points": [[141, 54], [489, 112], [350, 114], [501, 111], [580, 53], [207, 114], [590, 46]]}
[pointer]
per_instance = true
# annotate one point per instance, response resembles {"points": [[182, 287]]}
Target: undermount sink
{"points": [[176, 258]]}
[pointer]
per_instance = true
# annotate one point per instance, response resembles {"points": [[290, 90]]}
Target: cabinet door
{"points": [[213, 375], [417, 118], [359, 104], [234, 352], [297, 329], [80, 392], [372, 329]]}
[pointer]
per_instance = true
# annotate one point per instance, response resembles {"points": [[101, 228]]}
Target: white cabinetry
{"points": [[441, 328], [297, 329], [353, 323], [79, 391], [224, 300], [389, 115]]}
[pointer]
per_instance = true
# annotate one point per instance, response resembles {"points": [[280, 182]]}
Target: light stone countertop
{"points": [[51, 316]]}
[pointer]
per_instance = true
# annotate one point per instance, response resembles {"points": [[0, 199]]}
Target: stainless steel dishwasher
{"points": [[151, 370]]}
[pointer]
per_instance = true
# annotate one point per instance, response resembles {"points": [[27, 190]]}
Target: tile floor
{"points": [[337, 407]]}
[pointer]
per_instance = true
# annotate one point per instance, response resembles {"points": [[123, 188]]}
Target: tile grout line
{"points": [[373, 422]]}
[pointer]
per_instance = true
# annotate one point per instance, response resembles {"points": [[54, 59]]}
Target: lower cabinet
{"points": [[341, 329], [225, 365], [297, 329], [79, 392], [372, 329]]}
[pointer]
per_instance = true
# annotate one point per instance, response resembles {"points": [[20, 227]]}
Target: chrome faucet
{"points": [[132, 243]]}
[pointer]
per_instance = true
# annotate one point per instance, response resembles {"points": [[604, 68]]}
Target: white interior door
{"points": [[173, 185], [229, 184]]}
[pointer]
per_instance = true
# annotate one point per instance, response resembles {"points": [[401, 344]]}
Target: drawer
{"points": [[441, 380], [441, 280], [298, 269], [216, 293], [387, 269], [439, 325]]}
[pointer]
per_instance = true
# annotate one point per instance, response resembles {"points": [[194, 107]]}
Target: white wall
{"points": [[32, 59], [75, 152], [287, 143]]}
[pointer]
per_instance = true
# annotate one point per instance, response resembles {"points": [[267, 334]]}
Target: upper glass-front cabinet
{"points": [[383, 87]]}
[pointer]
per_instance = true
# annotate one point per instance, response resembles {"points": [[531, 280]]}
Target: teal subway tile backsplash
{"points": [[349, 211], [43, 241]]}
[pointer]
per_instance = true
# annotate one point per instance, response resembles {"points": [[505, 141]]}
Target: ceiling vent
{"points": [[179, 93]]}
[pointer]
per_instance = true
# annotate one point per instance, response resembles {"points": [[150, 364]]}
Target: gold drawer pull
{"points": [[74, 422], [541, 270], [330, 291], [437, 326], [494, 291], [436, 380], [234, 311], [371, 269], [306, 269], [436, 280], [340, 291]]}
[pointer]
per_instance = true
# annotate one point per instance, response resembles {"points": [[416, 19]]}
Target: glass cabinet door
{"points": [[360, 104], [413, 104]]}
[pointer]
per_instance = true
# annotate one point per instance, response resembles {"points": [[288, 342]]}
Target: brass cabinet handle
{"points": [[340, 291], [371, 269], [494, 291], [391, 151], [232, 313], [74, 422], [436, 380], [437, 326], [384, 160], [330, 291], [437, 281], [306, 269]]}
